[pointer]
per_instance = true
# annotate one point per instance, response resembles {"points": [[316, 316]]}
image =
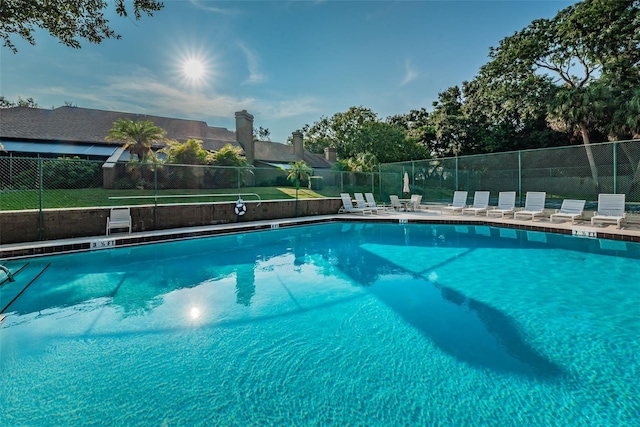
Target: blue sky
{"points": [[286, 62]]}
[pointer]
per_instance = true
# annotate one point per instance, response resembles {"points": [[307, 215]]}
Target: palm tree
{"points": [[229, 156], [299, 171], [138, 137]]}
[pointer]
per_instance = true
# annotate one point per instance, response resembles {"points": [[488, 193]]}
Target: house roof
{"points": [[88, 126], [74, 124], [275, 152]]}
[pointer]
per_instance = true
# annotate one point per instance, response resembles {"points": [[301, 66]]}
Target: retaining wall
{"points": [[51, 224]]}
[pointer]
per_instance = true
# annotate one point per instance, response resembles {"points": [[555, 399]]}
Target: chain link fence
{"points": [[566, 172], [44, 183], [575, 172]]}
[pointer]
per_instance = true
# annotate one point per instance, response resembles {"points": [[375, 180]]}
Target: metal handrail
{"points": [[8, 273], [167, 196]]}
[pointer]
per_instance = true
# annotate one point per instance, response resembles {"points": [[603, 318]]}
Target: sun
{"points": [[193, 69]]}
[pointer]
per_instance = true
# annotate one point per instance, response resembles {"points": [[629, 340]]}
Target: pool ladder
{"points": [[8, 273]]}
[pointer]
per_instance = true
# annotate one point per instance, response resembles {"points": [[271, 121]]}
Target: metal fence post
{"points": [[615, 167], [40, 195], [373, 185], [155, 196], [413, 173], [520, 177], [456, 173]]}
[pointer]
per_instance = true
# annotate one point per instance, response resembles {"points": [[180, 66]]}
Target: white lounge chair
{"points": [[480, 203], [347, 206], [395, 202], [371, 202], [459, 202], [414, 203], [119, 218], [362, 204], [506, 204], [533, 205], [571, 209], [610, 209]]}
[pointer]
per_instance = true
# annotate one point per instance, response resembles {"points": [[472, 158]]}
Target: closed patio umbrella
{"points": [[405, 188]]}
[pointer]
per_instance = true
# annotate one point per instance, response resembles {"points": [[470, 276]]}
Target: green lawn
{"points": [[25, 199]]}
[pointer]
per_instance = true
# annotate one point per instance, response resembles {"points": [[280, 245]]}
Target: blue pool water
{"points": [[335, 324]]}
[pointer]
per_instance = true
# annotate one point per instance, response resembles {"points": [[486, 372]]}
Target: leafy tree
{"points": [[29, 102], [231, 157], [342, 165], [388, 143], [68, 21], [342, 131], [261, 134], [418, 127], [357, 131], [452, 127], [187, 153], [138, 137], [510, 116], [364, 162], [582, 44]]}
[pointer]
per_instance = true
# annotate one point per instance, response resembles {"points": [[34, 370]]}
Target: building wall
{"points": [[24, 226]]}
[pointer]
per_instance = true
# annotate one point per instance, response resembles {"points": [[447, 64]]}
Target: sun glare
{"points": [[193, 69], [194, 313]]}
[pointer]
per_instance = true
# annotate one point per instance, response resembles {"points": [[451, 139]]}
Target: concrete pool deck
{"points": [[430, 214]]}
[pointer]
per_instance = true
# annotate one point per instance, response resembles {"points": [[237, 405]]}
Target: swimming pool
{"points": [[333, 324]]}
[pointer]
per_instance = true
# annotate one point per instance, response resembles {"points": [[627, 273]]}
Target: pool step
{"points": [[24, 275]]}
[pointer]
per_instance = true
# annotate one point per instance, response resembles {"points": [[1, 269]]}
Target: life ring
{"points": [[241, 208]]}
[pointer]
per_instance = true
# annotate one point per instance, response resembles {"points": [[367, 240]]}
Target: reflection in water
{"points": [[467, 329], [507, 348], [245, 284], [194, 313]]}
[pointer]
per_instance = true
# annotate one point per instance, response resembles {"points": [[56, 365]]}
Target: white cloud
{"points": [[143, 92], [287, 108], [207, 6], [410, 73], [255, 75]]}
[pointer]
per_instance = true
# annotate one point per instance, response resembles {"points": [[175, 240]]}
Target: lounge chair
{"points": [[571, 209], [610, 209], [506, 204], [119, 218], [414, 203], [480, 203], [459, 202], [533, 205], [395, 203], [371, 203], [362, 204], [347, 206]]}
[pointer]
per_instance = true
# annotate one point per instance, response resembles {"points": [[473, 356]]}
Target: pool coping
{"points": [[629, 233]]}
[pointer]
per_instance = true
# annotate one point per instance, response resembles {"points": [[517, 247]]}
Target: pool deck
{"points": [[430, 214]]}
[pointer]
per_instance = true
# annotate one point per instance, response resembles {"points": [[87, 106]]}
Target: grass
{"points": [[30, 199]]}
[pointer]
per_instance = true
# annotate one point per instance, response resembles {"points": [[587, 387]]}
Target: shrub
{"points": [[71, 173]]}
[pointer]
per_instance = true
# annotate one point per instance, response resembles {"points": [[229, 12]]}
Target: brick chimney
{"points": [[298, 147], [244, 134], [330, 155]]}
